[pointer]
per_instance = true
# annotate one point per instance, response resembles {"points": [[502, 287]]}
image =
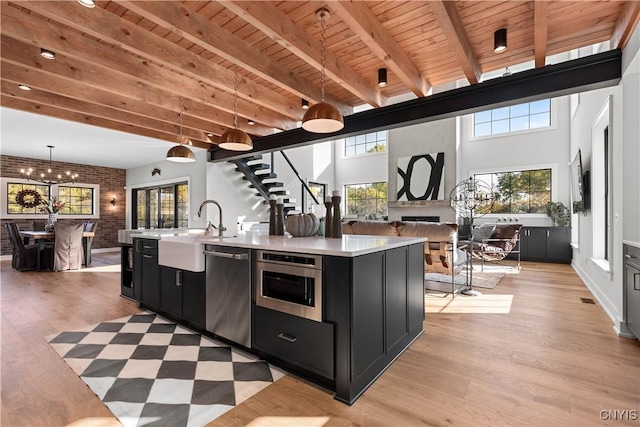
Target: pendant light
{"points": [[382, 77], [235, 139], [181, 153], [500, 40], [322, 117]]}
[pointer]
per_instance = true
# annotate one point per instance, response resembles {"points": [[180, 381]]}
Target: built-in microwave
{"points": [[290, 283]]}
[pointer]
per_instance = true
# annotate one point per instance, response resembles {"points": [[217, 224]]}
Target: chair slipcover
{"points": [[68, 254], [89, 226]]}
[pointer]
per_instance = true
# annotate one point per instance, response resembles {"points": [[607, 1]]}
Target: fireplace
{"points": [[421, 218]]}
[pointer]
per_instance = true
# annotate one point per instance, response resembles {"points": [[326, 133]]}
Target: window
{"points": [[12, 191], [515, 118], [77, 200], [519, 192], [601, 169], [369, 143], [366, 199], [81, 201], [161, 207]]}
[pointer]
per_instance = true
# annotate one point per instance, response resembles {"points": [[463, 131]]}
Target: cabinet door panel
{"points": [[396, 295], [536, 244], [632, 299], [193, 298], [558, 244], [171, 281]]}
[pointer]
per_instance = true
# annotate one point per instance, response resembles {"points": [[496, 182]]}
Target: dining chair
{"points": [[89, 226], [68, 254], [25, 257]]}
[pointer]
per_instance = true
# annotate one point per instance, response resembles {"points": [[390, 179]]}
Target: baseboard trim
{"points": [[93, 251]]}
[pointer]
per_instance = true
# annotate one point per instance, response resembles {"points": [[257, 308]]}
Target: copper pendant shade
{"points": [[235, 140], [322, 118], [180, 154]]}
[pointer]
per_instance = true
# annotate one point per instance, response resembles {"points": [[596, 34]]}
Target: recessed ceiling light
{"points": [[48, 54], [87, 3], [209, 134], [251, 122], [24, 87]]}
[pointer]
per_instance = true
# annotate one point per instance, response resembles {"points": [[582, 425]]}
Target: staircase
{"points": [[263, 180]]}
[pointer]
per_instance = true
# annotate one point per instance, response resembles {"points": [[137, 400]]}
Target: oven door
{"points": [[290, 289]]}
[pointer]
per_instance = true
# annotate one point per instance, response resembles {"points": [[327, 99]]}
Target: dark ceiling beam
{"points": [[582, 74]]}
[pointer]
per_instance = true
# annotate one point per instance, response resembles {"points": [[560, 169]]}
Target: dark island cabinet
{"points": [[182, 295], [632, 289], [146, 272], [304, 343], [546, 244], [376, 302], [126, 271]]}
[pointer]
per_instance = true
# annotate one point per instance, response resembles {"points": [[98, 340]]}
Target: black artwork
{"points": [[422, 173]]}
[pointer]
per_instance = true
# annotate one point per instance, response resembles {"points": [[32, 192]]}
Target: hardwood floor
{"points": [[552, 360]]}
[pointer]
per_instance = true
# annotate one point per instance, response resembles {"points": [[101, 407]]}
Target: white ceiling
{"points": [[27, 135]]}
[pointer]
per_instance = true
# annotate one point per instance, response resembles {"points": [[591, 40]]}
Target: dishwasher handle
{"points": [[226, 255]]}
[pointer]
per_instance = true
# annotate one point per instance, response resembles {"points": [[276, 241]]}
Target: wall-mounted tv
{"points": [[579, 185]]}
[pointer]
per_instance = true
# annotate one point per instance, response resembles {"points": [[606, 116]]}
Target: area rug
{"points": [[151, 371], [442, 282]]}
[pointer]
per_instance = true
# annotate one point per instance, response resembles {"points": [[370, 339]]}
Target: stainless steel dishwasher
{"points": [[228, 293]]}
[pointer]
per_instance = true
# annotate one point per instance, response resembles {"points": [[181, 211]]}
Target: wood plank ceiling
{"points": [[129, 65]]}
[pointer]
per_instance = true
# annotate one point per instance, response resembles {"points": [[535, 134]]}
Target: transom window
{"points": [[80, 200], [362, 144], [366, 199], [515, 118], [161, 207], [519, 192]]}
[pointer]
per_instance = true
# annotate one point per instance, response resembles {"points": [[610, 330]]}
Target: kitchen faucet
{"points": [[221, 228]]}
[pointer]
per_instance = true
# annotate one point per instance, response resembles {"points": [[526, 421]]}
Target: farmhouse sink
{"points": [[182, 252], [185, 252]]}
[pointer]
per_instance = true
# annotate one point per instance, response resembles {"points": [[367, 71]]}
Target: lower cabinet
{"points": [[146, 273], [546, 244], [302, 342], [632, 289], [182, 295]]}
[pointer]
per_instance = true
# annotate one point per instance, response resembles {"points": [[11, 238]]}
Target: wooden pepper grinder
{"points": [[279, 217], [272, 215], [336, 229], [328, 223]]}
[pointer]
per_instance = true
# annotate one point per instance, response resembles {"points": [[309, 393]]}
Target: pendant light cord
{"points": [[180, 120], [323, 55], [235, 97]]}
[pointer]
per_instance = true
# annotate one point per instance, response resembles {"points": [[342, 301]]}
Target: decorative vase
{"points": [[272, 217], [328, 223], [279, 218], [336, 228], [51, 220]]}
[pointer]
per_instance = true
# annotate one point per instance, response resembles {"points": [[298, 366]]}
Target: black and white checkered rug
{"points": [[150, 371]]}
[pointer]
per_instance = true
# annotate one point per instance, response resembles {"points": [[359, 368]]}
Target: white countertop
{"points": [[347, 246]]}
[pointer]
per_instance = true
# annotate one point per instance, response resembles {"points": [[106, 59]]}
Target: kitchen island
{"points": [[336, 311]]}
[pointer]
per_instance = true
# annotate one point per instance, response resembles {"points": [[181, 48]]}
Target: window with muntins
{"points": [[519, 192], [164, 206], [373, 142], [12, 191], [77, 200], [514, 118], [366, 199]]}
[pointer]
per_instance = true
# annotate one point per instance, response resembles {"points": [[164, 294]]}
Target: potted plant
{"points": [[559, 213], [52, 207]]}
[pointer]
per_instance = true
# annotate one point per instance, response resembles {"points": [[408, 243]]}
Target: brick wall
{"points": [[111, 181]]}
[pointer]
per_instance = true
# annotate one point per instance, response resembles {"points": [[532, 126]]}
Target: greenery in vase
{"points": [[51, 206], [559, 213]]}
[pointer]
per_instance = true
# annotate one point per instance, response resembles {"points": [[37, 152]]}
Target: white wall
{"points": [[425, 138], [540, 148], [194, 173], [607, 285], [362, 169]]}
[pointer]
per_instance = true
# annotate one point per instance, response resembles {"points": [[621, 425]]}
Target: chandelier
{"points": [[49, 178], [471, 199]]}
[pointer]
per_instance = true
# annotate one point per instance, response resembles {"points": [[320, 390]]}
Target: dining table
{"points": [[40, 238]]}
